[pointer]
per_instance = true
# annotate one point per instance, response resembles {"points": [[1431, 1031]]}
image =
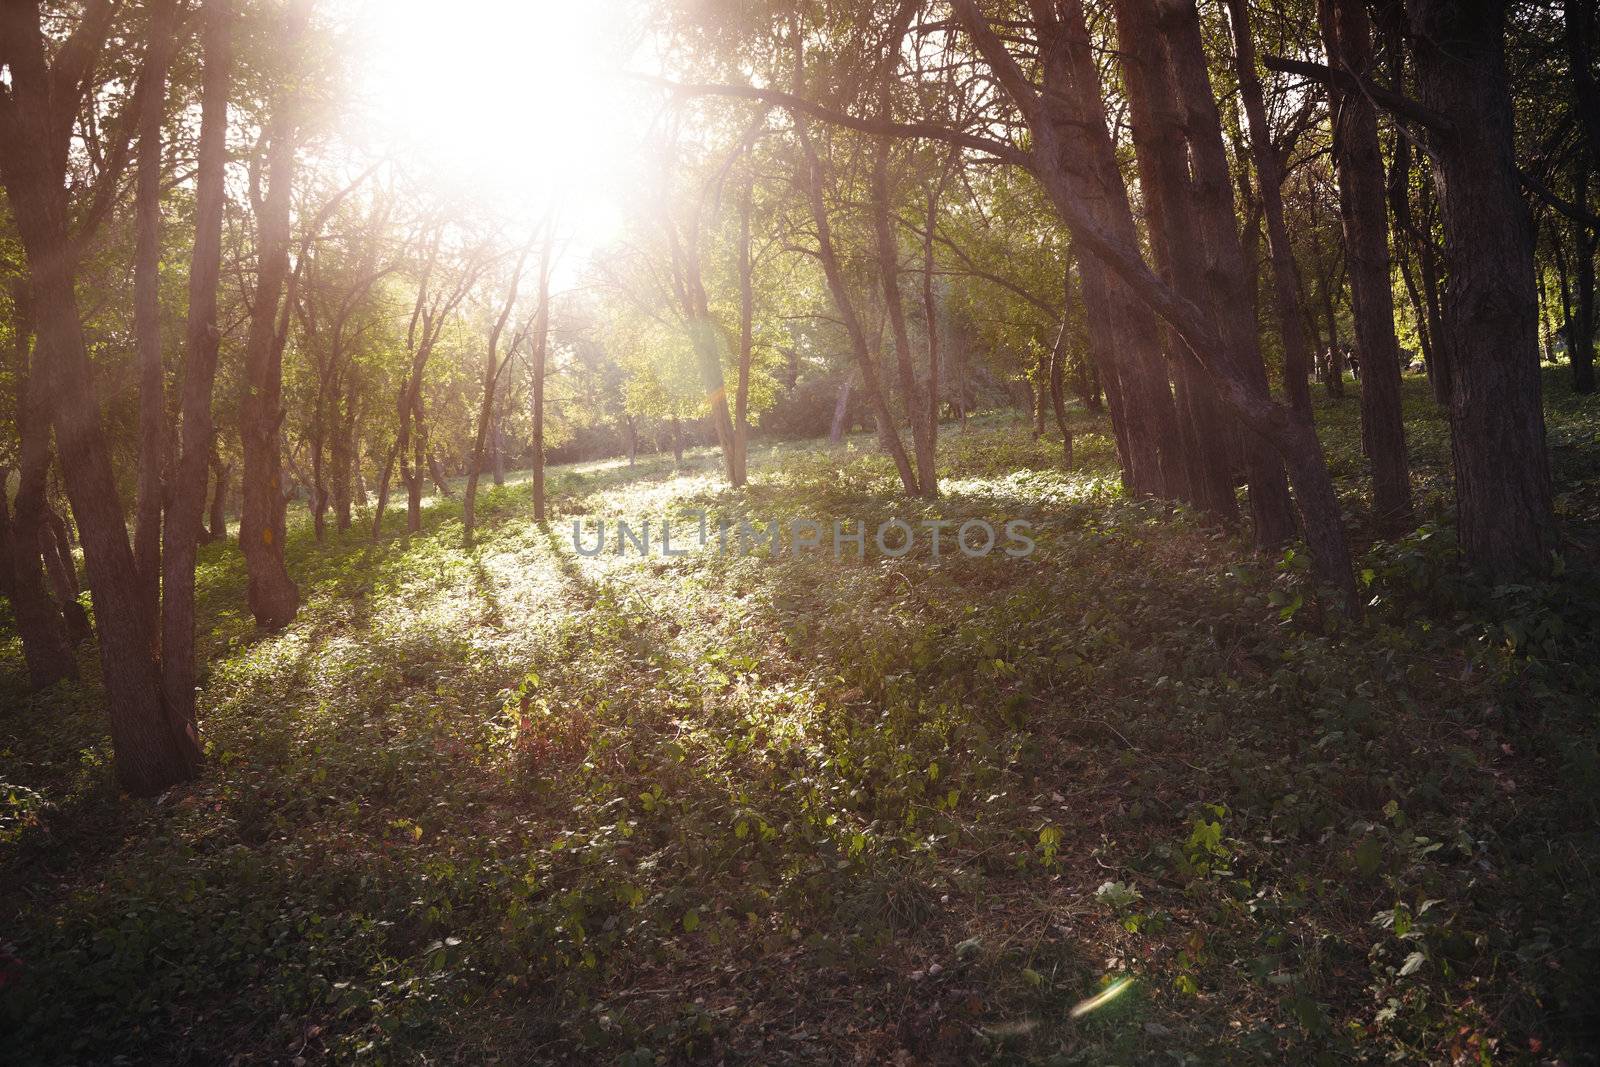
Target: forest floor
{"points": [[1132, 799]]}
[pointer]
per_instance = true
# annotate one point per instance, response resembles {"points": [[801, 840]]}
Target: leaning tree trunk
{"points": [[1269, 173], [63, 573], [833, 272], [1270, 505], [1503, 498]]}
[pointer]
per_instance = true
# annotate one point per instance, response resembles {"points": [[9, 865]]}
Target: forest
{"points": [[637, 532]]}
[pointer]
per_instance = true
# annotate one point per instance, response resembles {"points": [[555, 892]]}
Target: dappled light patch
{"points": [[1129, 795]]}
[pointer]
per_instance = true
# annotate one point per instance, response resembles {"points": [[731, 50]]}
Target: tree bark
{"points": [[492, 366], [811, 184], [1269, 175], [541, 350], [888, 257], [36, 124], [273, 596], [147, 304], [1271, 508], [1504, 512], [1359, 163], [202, 341], [1163, 165]]}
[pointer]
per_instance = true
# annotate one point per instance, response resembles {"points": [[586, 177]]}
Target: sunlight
{"points": [[505, 101]]}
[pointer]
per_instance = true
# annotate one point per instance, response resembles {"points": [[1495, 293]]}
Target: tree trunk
{"points": [[202, 341], [150, 754], [219, 499], [273, 596], [1359, 163], [747, 313], [492, 366], [63, 573], [1580, 339], [1269, 175], [841, 413], [1503, 498], [147, 304], [541, 350], [1271, 508], [888, 257], [46, 649], [811, 183], [1163, 165], [1058, 400]]}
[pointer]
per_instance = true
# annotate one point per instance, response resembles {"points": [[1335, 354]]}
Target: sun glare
{"points": [[513, 102]]}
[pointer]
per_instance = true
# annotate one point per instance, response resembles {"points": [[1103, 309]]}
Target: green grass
{"points": [[523, 806]]}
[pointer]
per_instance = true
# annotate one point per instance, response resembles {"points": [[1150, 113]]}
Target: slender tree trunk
{"points": [[219, 499], [1580, 339], [492, 365], [811, 183], [1359, 163], [203, 337], [147, 304], [1269, 174], [841, 413], [1503, 499], [747, 312], [541, 350], [888, 256], [1058, 400], [677, 441], [63, 573], [273, 596]]}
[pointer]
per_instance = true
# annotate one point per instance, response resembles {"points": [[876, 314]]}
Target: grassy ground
{"points": [[519, 805]]}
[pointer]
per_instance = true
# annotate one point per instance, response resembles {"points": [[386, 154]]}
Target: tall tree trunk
{"points": [[1058, 399], [1150, 435], [492, 366], [273, 596], [1359, 163], [1294, 438], [888, 257], [1271, 508], [811, 184], [147, 304], [1580, 339], [841, 413], [541, 351], [1163, 164], [747, 313], [1269, 175], [202, 340], [150, 754], [46, 649], [63, 573], [1503, 498], [219, 498]]}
